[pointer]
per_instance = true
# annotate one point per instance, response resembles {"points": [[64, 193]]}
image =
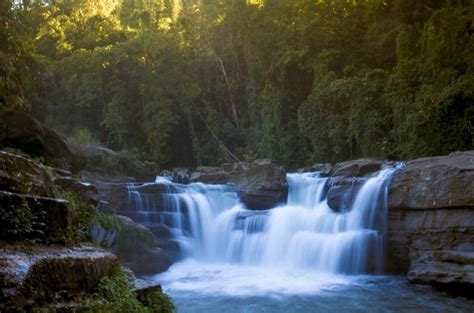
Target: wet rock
{"points": [[323, 168], [161, 231], [52, 216], [218, 177], [145, 290], [21, 175], [181, 175], [135, 245], [262, 184], [357, 168], [105, 183], [85, 192], [342, 193], [172, 248], [21, 131], [37, 274], [58, 172]]}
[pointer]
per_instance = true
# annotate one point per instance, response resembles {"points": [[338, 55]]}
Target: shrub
{"points": [[20, 223], [116, 291]]}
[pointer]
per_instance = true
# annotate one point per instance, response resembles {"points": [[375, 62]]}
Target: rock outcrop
{"points": [[356, 168], [135, 245], [85, 192], [34, 275], [19, 130], [262, 184], [324, 169], [346, 179], [431, 220], [21, 175], [341, 192]]}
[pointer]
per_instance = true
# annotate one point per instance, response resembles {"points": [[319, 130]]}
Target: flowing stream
{"points": [[300, 257]]}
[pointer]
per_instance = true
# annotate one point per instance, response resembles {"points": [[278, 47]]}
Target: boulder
{"points": [[113, 192], [181, 175], [110, 164], [39, 274], [50, 218], [431, 220], [436, 182], [262, 184], [85, 192], [342, 192], [161, 231], [21, 175], [217, 177], [134, 244], [323, 168], [21, 131], [357, 168]]}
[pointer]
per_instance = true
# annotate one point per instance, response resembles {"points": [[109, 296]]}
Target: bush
{"points": [[84, 136], [20, 223], [84, 214], [116, 291]]}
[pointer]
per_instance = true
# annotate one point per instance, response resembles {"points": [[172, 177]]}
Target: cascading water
{"points": [[298, 257], [212, 225]]}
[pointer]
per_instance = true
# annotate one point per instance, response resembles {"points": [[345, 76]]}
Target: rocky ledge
{"points": [[34, 275], [431, 221]]}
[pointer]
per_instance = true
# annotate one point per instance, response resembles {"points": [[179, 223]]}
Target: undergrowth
{"points": [[115, 294]]}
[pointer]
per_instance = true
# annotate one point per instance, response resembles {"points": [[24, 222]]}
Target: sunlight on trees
{"points": [[297, 81]]}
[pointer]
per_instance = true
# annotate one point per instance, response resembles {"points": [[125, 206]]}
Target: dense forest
{"points": [[203, 82]]}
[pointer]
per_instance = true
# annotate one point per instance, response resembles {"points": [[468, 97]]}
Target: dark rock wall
{"points": [[431, 221]]}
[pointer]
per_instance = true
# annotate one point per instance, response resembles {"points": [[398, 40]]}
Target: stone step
{"points": [[30, 275]]}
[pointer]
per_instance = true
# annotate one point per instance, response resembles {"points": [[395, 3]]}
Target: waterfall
{"points": [[212, 225]]}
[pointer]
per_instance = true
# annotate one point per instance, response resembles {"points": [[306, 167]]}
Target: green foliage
{"points": [[83, 215], [113, 294], [107, 221], [20, 223], [116, 291], [185, 82], [18, 60], [83, 136]]}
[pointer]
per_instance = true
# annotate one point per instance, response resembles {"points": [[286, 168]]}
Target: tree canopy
{"points": [[202, 82]]}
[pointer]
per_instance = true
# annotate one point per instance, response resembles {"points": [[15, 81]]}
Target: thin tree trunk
{"points": [[234, 111]]}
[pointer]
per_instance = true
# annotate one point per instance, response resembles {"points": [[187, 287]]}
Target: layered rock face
{"points": [[33, 275], [431, 220]]}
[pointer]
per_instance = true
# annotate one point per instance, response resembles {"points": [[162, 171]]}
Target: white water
{"points": [[212, 225], [293, 258]]}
